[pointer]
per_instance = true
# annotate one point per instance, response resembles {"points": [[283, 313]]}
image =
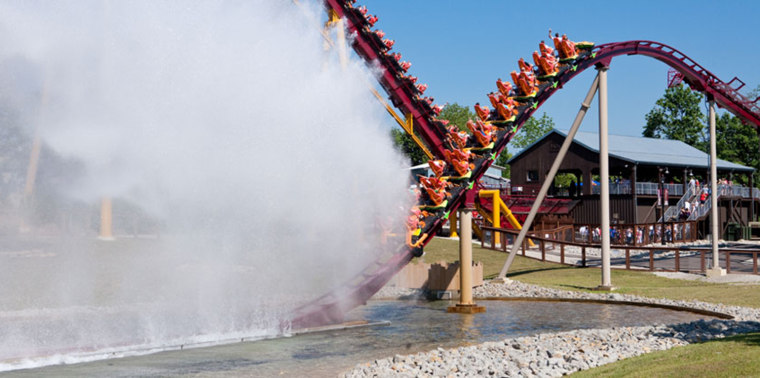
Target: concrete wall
{"points": [[440, 276]]}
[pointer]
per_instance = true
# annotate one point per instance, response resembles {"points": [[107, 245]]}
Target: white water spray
{"points": [[261, 172]]}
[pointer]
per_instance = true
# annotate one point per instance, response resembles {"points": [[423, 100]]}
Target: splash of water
{"points": [[256, 170]]}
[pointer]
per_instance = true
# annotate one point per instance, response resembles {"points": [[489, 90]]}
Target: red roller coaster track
{"points": [[331, 307]]}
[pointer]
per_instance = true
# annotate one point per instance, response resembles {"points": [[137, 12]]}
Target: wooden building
{"points": [[638, 167]]}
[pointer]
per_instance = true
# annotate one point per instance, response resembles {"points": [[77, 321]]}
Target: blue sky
{"points": [[460, 48]]}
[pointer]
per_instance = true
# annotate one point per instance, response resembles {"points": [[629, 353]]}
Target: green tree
{"points": [[454, 113], [738, 142], [533, 129], [406, 145], [678, 116], [457, 115], [502, 160]]}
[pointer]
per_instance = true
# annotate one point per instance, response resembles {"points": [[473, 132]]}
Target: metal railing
{"points": [[699, 209], [673, 212], [615, 188], [651, 258], [651, 188], [638, 234]]}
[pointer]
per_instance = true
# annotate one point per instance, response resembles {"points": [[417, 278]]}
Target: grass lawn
{"points": [[585, 279], [735, 356], [729, 357]]}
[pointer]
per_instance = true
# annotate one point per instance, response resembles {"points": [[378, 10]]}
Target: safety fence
{"points": [[639, 234], [670, 258]]}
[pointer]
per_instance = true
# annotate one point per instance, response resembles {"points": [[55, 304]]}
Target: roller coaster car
{"points": [[456, 177], [434, 183], [505, 87], [526, 84], [457, 154], [524, 66], [371, 20], [431, 205], [437, 166], [545, 50], [483, 112], [427, 104], [395, 62], [459, 138], [502, 123], [436, 196], [441, 125], [547, 66], [375, 36], [495, 98], [415, 193], [584, 45], [414, 235], [463, 170], [484, 139], [569, 50], [501, 134], [482, 133], [507, 110], [482, 147], [413, 220], [437, 109]]}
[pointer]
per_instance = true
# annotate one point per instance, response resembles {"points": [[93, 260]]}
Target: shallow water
{"points": [[414, 326]]}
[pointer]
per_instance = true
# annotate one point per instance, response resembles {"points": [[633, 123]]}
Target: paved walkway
{"points": [[728, 278]]}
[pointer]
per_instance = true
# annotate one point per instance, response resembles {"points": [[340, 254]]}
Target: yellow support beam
{"points": [[106, 219], [495, 216], [453, 224], [406, 124]]}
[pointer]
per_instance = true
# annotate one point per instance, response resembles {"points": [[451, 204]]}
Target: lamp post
{"points": [[663, 172]]}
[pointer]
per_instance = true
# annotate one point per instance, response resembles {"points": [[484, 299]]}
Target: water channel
{"points": [[405, 327]]}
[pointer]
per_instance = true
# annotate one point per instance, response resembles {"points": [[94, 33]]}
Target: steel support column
{"points": [[715, 270], [549, 179], [465, 305], [604, 179]]}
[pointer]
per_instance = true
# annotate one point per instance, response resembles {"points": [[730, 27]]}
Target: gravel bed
{"points": [[557, 354]]}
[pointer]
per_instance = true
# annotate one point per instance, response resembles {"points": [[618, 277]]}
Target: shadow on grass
{"points": [[584, 288], [750, 339], [696, 332], [521, 272]]}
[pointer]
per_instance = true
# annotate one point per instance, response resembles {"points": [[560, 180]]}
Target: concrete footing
{"points": [[499, 280], [715, 272], [604, 288], [466, 308]]}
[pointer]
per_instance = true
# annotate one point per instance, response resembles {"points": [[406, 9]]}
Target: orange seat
{"points": [[505, 87], [482, 111], [437, 166]]}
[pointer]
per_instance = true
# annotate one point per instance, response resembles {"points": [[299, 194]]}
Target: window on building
{"points": [[532, 175]]}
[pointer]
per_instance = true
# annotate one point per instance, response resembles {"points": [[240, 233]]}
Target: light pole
{"points": [[663, 172]]}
